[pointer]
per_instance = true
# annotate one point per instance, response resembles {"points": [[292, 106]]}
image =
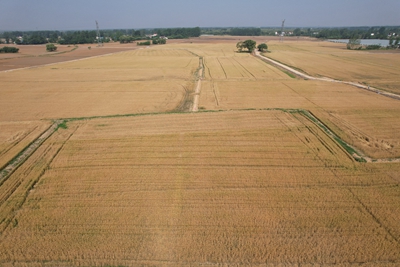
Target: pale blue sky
{"points": [[112, 14]]}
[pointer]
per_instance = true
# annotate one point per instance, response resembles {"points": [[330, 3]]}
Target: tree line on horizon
{"points": [[129, 35], [83, 37]]}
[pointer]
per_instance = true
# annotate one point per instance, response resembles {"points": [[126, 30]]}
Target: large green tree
{"points": [[250, 45], [262, 47]]}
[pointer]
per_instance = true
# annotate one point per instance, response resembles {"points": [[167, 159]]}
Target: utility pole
{"points": [[98, 35], [283, 26]]}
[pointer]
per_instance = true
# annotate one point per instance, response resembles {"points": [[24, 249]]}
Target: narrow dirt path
{"points": [[196, 98], [325, 79]]}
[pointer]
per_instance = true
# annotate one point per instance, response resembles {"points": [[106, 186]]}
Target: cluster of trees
{"points": [[43, 37], [178, 33], [7, 49], [250, 45], [359, 32], [82, 37], [144, 43], [159, 41], [124, 39], [251, 31], [324, 33], [154, 42], [78, 37], [36, 37], [245, 31], [32, 39]]}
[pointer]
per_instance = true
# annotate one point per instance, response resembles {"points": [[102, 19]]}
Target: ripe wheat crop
{"points": [[334, 61], [258, 181], [123, 83], [234, 188]]}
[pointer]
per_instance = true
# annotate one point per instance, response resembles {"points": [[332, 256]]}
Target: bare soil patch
{"points": [[31, 56]]}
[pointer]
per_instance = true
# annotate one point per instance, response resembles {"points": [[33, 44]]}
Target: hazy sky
{"points": [[112, 14]]}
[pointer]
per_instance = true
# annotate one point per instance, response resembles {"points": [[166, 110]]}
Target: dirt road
{"points": [[325, 79]]}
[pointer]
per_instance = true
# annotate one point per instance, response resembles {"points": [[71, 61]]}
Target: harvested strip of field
{"points": [[234, 188], [123, 83]]}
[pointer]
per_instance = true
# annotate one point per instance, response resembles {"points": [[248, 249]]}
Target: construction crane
{"points": [[282, 33], [99, 43]]}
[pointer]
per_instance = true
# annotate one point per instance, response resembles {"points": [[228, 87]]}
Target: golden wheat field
{"points": [[233, 188], [262, 176], [147, 80], [364, 119], [335, 61]]}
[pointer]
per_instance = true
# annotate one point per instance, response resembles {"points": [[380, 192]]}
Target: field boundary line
{"points": [[18, 160], [325, 79]]}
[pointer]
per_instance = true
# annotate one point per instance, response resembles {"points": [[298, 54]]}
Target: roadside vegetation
{"points": [[51, 48], [355, 44], [8, 49]]}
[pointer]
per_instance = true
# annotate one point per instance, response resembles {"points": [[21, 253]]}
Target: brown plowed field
{"points": [[36, 55]]}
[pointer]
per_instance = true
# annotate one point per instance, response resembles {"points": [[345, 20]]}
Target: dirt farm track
{"points": [[193, 154]]}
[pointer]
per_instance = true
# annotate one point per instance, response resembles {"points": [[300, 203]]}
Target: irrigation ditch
{"points": [[18, 160]]}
